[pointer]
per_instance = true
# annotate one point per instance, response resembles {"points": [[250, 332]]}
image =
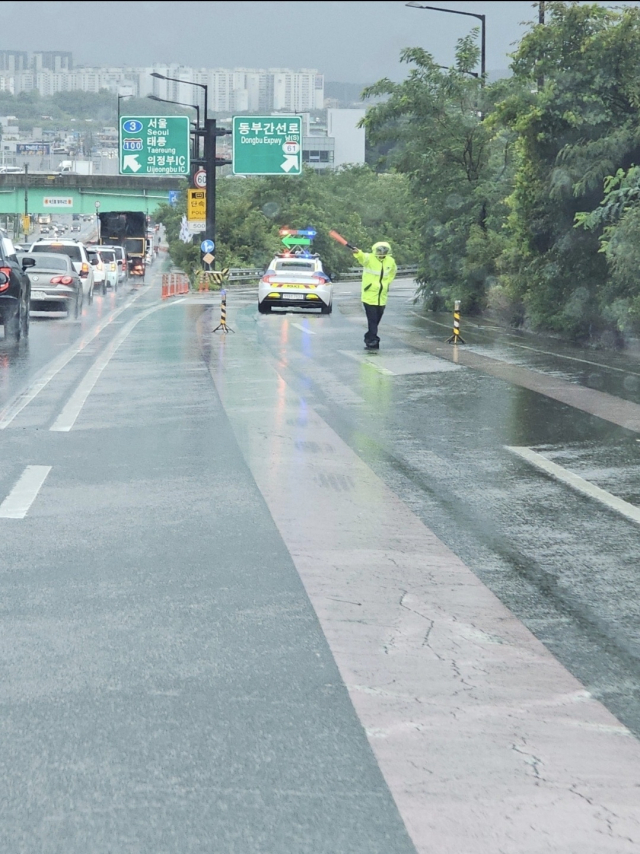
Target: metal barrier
{"points": [[207, 280], [239, 274], [403, 270], [174, 284], [242, 274]]}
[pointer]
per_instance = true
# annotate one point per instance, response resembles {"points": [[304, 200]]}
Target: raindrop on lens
{"points": [[271, 209], [595, 381]]}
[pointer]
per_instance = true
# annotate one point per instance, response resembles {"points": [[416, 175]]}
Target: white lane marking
{"points": [[41, 380], [17, 503], [67, 418], [537, 350], [578, 483], [303, 328]]}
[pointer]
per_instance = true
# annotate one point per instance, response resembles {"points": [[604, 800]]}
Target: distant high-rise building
{"points": [[52, 60], [239, 90], [14, 60]]}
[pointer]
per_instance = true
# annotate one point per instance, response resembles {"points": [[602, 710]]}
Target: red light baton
{"points": [[342, 240]]}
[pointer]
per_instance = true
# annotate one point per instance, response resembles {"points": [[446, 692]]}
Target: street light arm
{"points": [[180, 104], [204, 86], [440, 9], [483, 22]]}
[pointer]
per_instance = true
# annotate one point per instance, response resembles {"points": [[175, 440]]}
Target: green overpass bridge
{"points": [[41, 192]]}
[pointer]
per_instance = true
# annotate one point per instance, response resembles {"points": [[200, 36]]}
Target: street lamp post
{"points": [[483, 36], [210, 133], [121, 98]]}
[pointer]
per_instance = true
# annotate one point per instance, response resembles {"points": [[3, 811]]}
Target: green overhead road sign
{"points": [[154, 145], [290, 241], [267, 145]]}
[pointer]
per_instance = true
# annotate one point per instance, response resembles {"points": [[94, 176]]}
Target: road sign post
{"points": [[267, 145], [154, 145]]}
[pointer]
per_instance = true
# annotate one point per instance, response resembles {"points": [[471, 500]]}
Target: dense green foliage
{"points": [[528, 199], [456, 168], [357, 202]]}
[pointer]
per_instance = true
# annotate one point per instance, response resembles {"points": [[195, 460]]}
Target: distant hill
{"points": [[348, 94]]}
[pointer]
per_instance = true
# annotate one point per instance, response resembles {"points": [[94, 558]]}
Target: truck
{"points": [[75, 167], [44, 219], [129, 230]]}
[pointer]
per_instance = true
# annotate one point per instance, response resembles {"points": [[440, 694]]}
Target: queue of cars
{"points": [[53, 274]]}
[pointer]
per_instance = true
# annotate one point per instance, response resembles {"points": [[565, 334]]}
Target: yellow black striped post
{"points": [[456, 338], [222, 326]]}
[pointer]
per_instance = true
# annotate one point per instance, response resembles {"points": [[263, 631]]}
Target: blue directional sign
{"points": [[173, 197], [207, 246]]}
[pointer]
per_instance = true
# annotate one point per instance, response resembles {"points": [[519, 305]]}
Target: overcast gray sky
{"points": [[357, 42]]}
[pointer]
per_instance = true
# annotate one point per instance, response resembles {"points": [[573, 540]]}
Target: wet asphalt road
{"points": [[135, 708], [567, 566]]}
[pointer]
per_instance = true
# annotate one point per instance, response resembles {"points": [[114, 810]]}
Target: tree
{"points": [[452, 158], [250, 212], [576, 128]]}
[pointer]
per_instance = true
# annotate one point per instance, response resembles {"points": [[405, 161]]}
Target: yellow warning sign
{"points": [[196, 205]]}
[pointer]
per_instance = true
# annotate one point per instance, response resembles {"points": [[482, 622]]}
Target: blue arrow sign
{"points": [[207, 246], [307, 232]]}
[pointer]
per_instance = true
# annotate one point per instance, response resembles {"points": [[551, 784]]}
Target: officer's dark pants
{"points": [[374, 316]]}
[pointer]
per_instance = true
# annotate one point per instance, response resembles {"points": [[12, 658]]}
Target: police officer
{"points": [[379, 271]]}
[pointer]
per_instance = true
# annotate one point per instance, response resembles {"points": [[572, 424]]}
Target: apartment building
{"points": [[233, 90]]}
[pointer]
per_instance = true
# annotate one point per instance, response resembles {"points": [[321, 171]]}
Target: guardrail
{"points": [[403, 270], [239, 274], [245, 274]]}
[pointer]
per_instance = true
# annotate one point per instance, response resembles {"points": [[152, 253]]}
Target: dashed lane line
{"points": [[17, 503], [67, 418], [24, 398], [578, 483]]}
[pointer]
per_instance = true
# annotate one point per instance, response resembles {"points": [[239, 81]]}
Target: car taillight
{"points": [[61, 280], [7, 273], [268, 279], [113, 266], [84, 271]]}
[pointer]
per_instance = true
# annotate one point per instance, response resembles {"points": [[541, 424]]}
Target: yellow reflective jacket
{"points": [[377, 275]]}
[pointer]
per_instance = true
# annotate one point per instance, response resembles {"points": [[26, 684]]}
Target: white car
{"points": [[99, 269], [295, 280], [79, 258], [121, 261], [108, 258]]}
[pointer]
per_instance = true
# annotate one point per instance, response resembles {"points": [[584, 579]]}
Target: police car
{"points": [[295, 280]]}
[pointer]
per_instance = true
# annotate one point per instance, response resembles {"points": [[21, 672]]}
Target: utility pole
{"points": [[210, 162]]}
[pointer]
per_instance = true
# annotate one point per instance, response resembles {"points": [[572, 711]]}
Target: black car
{"points": [[15, 292]]}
